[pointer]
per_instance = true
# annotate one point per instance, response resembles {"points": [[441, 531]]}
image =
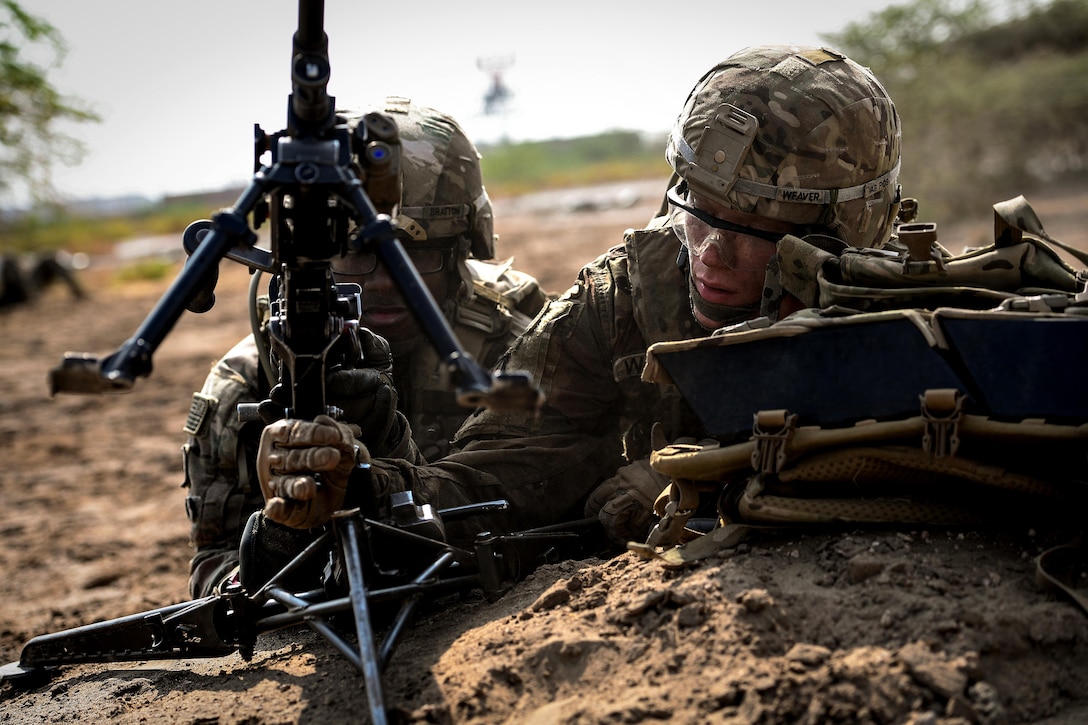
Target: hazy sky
{"points": [[179, 85]]}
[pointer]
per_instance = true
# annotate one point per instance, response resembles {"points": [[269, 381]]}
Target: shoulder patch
{"points": [[199, 409]]}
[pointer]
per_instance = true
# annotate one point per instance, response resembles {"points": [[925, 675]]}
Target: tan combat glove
{"points": [[624, 504], [291, 452]]}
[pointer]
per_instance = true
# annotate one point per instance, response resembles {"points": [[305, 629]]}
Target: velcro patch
{"points": [[822, 55], [794, 65], [201, 406]]}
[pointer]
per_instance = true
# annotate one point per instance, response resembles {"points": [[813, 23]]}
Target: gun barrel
{"points": [[310, 36], [310, 70]]}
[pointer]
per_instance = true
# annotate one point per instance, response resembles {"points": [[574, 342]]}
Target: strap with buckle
{"points": [[771, 431], [942, 414]]}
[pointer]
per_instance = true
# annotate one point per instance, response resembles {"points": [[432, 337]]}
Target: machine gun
{"points": [[320, 205]]}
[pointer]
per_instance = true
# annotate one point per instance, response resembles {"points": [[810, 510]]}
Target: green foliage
{"points": [[52, 228], [989, 110], [30, 107], [145, 270], [905, 44], [1061, 27], [615, 155]]}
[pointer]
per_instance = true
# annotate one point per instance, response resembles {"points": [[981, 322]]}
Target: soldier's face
{"points": [[728, 267], [385, 310]]}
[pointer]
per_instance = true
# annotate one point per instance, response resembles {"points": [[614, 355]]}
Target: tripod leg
{"points": [[347, 528], [409, 607]]}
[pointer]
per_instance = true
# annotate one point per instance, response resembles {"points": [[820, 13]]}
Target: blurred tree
{"points": [[31, 109], [990, 109]]}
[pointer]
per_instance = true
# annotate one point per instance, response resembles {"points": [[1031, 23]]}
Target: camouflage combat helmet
{"points": [[442, 190], [798, 134]]}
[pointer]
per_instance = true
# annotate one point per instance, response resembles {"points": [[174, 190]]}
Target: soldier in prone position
{"points": [[22, 279], [401, 404]]}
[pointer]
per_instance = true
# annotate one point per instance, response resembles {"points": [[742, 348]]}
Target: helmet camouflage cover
{"points": [[797, 134], [442, 191]]}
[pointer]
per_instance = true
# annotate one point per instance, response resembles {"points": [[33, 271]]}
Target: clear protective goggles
{"points": [[427, 259], [739, 247]]}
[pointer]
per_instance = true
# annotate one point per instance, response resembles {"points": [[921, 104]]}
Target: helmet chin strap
{"points": [[723, 315], [727, 315]]}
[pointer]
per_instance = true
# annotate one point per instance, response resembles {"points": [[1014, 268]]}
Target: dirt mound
{"points": [[908, 626], [848, 627]]}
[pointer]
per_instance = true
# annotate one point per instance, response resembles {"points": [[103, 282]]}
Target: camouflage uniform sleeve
{"points": [[399, 443], [544, 465], [219, 456]]}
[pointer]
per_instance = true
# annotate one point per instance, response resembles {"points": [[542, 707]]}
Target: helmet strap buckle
{"points": [[411, 227], [771, 301]]}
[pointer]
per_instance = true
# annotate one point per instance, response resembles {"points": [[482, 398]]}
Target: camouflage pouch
{"points": [[517, 293], [914, 271]]}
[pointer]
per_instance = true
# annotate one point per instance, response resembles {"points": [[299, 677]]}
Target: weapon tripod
{"points": [[365, 563]]}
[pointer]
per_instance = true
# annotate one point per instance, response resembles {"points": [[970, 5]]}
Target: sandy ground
{"points": [[889, 626]]}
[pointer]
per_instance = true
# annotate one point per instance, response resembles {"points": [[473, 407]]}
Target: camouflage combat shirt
{"points": [[586, 352], [220, 455]]}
